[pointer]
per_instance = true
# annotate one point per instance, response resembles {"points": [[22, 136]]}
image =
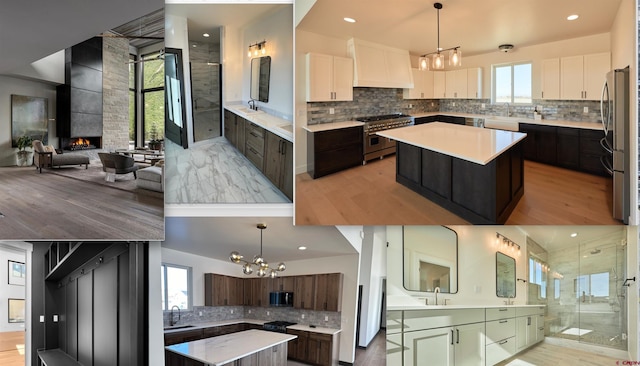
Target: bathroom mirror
{"points": [[505, 276], [430, 259], [260, 74]]}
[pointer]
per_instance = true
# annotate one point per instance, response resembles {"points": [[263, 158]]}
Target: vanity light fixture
{"points": [[262, 267], [437, 58], [257, 49], [507, 243]]}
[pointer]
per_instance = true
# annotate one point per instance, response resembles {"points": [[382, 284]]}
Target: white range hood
{"points": [[379, 66]]}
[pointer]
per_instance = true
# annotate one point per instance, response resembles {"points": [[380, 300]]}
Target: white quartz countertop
{"points": [[218, 323], [477, 145], [409, 307], [228, 348], [279, 126], [594, 125], [307, 328], [332, 126]]}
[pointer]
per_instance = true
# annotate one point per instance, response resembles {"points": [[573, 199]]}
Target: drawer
{"points": [[329, 140], [500, 351], [254, 136], [568, 131], [427, 319], [529, 310], [499, 330], [394, 322], [500, 313], [320, 337], [254, 156]]}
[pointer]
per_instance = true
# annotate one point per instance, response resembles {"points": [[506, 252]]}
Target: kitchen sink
{"points": [[178, 327], [286, 127]]}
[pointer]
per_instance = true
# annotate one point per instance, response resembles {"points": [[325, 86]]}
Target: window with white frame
{"points": [[538, 276], [176, 286], [512, 83]]}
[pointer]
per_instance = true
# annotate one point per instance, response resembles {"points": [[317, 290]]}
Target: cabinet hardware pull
{"points": [[542, 95], [451, 336], [253, 134], [503, 342], [458, 336], [503, 321], [541, 328], [503, 309], [528, 320], [284, 147]]}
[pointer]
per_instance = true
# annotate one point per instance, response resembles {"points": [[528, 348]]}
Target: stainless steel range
{"points": [[377, 146], [277, 326]]}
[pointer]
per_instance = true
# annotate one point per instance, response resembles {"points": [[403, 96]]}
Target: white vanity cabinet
{"points": [[529, 326], [501, 334]]}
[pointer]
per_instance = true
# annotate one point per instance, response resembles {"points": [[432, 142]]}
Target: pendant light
{"points": [[261, 266], [437, 57]]}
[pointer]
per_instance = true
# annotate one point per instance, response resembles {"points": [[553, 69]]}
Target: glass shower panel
{"points": [[206, 88]]}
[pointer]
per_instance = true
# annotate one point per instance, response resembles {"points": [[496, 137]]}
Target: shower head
{"points": [[596, 251]]}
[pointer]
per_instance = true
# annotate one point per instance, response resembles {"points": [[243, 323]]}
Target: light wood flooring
{"points": [[48, 206], [12, 348], [369, 195], [547, 354]]}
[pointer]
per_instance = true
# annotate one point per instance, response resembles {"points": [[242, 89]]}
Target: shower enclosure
{"points": [[583, 288], [206, 81]]}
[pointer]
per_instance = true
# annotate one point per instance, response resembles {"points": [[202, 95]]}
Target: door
{"points": [[429, 347], [175, 108], [470, 344]]}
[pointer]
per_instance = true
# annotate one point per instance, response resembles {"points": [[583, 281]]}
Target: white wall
{"points": [[373, 268], [476, 267], [277, 30], [10, 291], [49, 69], [8, 86], [233, 58]]}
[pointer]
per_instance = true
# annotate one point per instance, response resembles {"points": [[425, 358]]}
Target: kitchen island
{"points": [[476, 173], [249, 348]]}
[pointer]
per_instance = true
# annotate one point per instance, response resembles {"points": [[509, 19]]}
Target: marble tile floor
{"points": [[215, 172], [207, 126]]}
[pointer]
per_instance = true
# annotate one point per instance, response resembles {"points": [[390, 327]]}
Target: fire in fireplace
{"points": [[80, 143]]}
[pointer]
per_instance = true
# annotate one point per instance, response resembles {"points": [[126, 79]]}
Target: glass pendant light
{"points": [[438, 61], [423, 63], [262, 267], [455, 57]]}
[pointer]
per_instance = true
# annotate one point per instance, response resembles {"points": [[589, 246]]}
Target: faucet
{"points": [[252, 105], [508, 111], [435, 292], [171, 322], [509, 300]]}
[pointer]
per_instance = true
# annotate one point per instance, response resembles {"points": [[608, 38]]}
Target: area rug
{"points": [[95, 175]]}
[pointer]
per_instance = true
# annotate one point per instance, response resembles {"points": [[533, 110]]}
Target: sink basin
{"points": [[286, 127], [178, 327], [248, 110]]}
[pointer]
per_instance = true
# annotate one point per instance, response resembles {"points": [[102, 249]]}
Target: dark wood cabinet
{"points": [[591, 152], [286, 284], [334, 150], [312, 348], [182, 336], [298, 347], [254, 144], [328, 295], [568, 152], [303, 297], [222, 290], [234, 127], [278, 166], [440, 118], [540, 143]]}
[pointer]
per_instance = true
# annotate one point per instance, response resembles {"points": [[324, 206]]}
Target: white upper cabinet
{"points": [[463, 83], [550, 79], [422, 85], [380, 66], [439, 84], [474, 83], [581, 77], [329, 78]]}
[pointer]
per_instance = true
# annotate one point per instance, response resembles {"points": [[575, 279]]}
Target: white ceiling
{"points": [[558, 237], [217, 237], [31, 30], [207, 18], [477, 26]]}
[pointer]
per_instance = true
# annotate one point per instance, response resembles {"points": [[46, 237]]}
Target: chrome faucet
{"points": [[508, 110], [509, 300], [171, 322], [435, 292], [252, 105]]}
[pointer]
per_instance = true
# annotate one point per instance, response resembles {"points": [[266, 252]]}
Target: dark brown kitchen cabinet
{"points": [[286, 284], [174, 359], [234, 126], [257, 290], [304, 292], [328, 292], [568, 152], [298, 347], [254, 144], [591, 151], [334, 150], [319, 349], [278, 165], [540, 144], [182, 336], [222, 290]]}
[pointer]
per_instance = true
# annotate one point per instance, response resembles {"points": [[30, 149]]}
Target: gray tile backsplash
{"points": [[220, 313], [377, 101]]}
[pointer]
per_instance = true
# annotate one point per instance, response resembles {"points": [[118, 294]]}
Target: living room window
{"points": [[176, 287], [133, 88], [153, 97], [512, 83]]}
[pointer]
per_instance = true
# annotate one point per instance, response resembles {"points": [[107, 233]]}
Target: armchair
{"points": [[114, 164]]}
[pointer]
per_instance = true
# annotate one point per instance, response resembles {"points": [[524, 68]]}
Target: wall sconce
{"points": [[257, 49], [507, 243]]}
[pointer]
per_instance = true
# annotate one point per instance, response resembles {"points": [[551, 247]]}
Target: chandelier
{"points": [[437, 58], [261, 266]]}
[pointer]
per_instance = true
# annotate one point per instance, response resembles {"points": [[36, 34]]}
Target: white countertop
{"points": [[218, 323], [454, 307], [595, 125], [307, 328], [228, 348], [332, 126], [477, 145], [279, 126]]}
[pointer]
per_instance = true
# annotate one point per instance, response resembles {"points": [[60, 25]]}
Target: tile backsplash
{"points": [[378, 101], [209, 314]]}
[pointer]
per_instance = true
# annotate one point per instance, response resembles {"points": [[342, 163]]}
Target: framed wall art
{"points": [[29, 117], [16, 311], [17, 273]]}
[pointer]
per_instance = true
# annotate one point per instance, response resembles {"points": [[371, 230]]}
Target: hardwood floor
{"points": [[376, 352], [369, 195], [48, 206], [548, 354], [12, 348]]}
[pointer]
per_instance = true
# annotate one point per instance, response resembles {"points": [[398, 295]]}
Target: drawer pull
{"points": [[503, 321], [253, 134], [451, 336], [503, 342], [541, 328], [458, 336], [503, 309]]}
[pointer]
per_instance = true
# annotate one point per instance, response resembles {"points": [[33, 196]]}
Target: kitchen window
{"points": [[512, 83], [176, 287]]}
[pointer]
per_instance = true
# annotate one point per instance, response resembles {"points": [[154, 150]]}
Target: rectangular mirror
{"points": [[505, 276], [260, 74], [430, 258]]}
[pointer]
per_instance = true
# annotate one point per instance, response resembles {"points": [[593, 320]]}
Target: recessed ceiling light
{"points": [[205, 34], [573, 235], [302, 247], [195, 45], [349, 20], [572, 17]]}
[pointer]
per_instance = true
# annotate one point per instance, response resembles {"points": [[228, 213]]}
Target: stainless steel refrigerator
{"points": [[614, 109]]}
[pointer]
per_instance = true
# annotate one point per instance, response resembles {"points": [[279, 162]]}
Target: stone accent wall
{"points": [[115, 97]]}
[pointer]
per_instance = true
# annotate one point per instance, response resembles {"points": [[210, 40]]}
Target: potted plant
{"points": [[23, 157], [155, 144]]}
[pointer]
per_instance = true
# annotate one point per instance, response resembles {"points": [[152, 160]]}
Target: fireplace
{"points": [[80, 143]]}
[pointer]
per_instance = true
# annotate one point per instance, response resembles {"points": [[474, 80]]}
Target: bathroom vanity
{"points": [[461, 335]]}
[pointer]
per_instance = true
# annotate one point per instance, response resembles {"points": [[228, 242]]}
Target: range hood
{"points": [[379, 66]]}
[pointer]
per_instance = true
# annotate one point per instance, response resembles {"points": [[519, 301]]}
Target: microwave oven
{"points": [[281, 298]]}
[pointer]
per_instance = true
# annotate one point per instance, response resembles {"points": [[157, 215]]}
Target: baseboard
{"points": [[345, 363]]}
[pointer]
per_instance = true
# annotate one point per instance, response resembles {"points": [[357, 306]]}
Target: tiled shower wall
{"points": [[220, 313], [377, 101]]}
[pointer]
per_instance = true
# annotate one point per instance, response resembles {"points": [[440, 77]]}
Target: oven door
{"points": [[373, 142]]}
